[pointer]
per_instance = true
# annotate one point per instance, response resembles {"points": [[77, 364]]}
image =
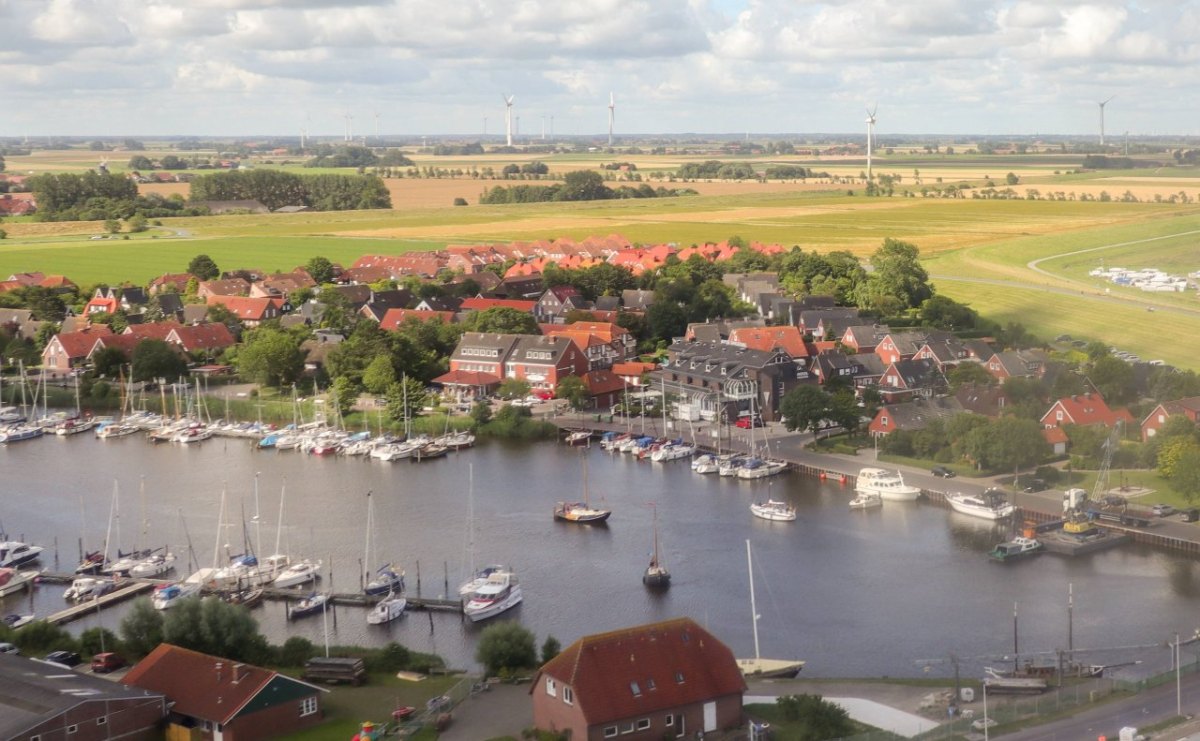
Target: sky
{"points": [[431, 67]]}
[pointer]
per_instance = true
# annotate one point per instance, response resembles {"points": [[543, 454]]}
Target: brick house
{"points": [[1084, 409], [912, 415], [41, 702], [615, 343], [250, 311], [906, 379], [223, 287], [543, 361], [1157, 418], [214, 698], [68, 350], [1016, 364], [725, 380], [671, 679]]}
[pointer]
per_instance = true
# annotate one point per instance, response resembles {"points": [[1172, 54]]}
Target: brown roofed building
{"points": [[1157, 418], [168, 281], [214, 698], [251, 311], [671, 679], [224, 287], [67, 350]]}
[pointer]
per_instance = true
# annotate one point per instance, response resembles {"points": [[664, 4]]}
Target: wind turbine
{"points": [[1102, 118], [612, 107], [508, 122], [870, 136], [376, 124]]}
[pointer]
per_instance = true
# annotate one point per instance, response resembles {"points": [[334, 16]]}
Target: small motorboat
{"points": [[153, 565], [169, 595], [387, 609], [866, 500], [88, 587], [15, 621], [298, 573], [1018, 547], [310, 605], [245, 597], [14, 553], [706, 463], [501, 592], [580, 512], [578, 437], [92, 563], [12, 581]]}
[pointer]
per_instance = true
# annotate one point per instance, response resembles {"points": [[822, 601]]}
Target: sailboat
{"points": [[758, 666], [386, 579], [78, 423], [656, 576], [480, 577], [581, 512], [95, 562], [387, 609]]}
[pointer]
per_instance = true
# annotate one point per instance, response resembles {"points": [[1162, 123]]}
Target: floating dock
{"points": [[128, 591]]}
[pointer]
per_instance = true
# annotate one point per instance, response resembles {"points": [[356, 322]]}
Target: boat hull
{"points": [[769, 668], [981, 511], [658, 578], [387, 611], [477, 614]]}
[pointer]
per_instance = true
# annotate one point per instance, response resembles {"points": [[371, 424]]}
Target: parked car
{"points": [[66, 658], [1033, 485], [942, 472], [1163, 510], [8, 648], [107, 662], [747, 423]]}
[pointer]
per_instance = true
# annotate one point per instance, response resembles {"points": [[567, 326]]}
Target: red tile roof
{"points": [[467, 378], [79, 344], [1085, 409], [152, 330], [201, 686], [685, 663], [602, 382], [393, 318], [244, 307], [769, 338], [210, 336], [483, 304]]}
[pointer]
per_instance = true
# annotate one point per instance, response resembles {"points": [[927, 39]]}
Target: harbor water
{"points": [[854, 593]]}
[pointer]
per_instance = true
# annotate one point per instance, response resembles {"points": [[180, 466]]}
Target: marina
{"points": [[836, 588]]}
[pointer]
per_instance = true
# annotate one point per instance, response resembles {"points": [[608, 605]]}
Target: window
{"points": [[643, 724], [1058, 415], [679, 677], [636, 689], [627, 728], [670, 721], [308, 706], [103, 719], [650, 684], [72, 729], [568, 696], [550, 690], [610, 731]]}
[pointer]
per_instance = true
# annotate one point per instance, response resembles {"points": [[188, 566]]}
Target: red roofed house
{"points": [[168, 281], [1157, 418], [201, 337], [615, 342], [483, 304], [769, 338], [67, 350], [672, 679], [604, 387], [10, 206], [633, 372], [1084, 409], [393, 318], [1056, 438], [251, 311], [214, 698]]}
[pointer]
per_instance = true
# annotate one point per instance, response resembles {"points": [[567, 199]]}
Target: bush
{"points": [[98, 640], [40, 637], [460, 201], [295, 651]]}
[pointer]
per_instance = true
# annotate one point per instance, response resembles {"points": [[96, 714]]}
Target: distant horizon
{"points": [[411, 66]]}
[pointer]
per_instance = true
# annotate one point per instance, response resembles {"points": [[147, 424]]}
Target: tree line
{"points": [[96, 196], [276, 189], [580, 185]]}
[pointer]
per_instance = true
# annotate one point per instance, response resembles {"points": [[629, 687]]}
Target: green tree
{"points": [[112, 226], [665, 320], [137, 224], [481, 413], [506, 647], [805, 408], [344, 394], [320, 269], [583, 185], [1006, 444], [1114, 379], [203, 267], [1185, 477], [897, 274], [271, 357], [513, 388], [550, 648], [1011, 178], [215, 627], [40, 637], [142, 628], [140, 162], [108, 362], [574, 391], [818, 718], [153, 359], [295, 651], [501, 320], [98, 640], [406, 399], [969, 373], [379, 375], [1172, 451]]}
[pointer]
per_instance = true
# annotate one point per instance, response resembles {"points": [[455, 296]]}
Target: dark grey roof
{"points": [[15, 316], [917, 414], [489, 347], [398, 298], [193, 313], [442, 303], [920, 373], [33, 691], [608, 303], [356, 296], [636, 299], [719, 360], [848, 316], [817, 302], [540, 349], [170, 303]]}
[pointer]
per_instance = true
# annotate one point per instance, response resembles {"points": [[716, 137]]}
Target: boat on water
{"points": [[14, 553], [13, 581], [501, 592], [673, 451], [91, 563], [115, 430], [310, 605], [1016, 548], [758, 468], [74, 426], [387, 609], [705, 463], [990, 505], [759, 667], [457, 440], [866, 500], [11, 416], [245, 597], [889, 485], [125, 562], [729, 465], [773, 510], [88, 587], [656, 575], [169, 595], [192, 434], [14, 621], [431, 450], [154, 564], [578, 437], [581, 512], [20, 433], [300, 572]]}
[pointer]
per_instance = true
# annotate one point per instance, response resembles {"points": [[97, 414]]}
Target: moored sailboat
{"points": [[581, 512], [758, 666], [656, 575]]}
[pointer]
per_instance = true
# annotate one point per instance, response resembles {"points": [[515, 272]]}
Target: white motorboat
{"points": [[153, 565], [300, 572], [12, 581], [578, 437], [387, 609], [759, 468], [15, 620], [310, 605], [889, 485], [395, 451], [501, 592], [706, 463], [169, 595], [115, 430], [87, 587], [866, 500], [1017, 547], [673, 451], [990, 505], [729, 465], [193, 434], [14, 553], [774, 511]]}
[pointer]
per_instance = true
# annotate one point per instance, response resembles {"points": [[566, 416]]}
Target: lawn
{"points": [[347, 707]]}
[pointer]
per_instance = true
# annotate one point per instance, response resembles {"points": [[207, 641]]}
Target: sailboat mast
{"points": [[279, 521], [112, 508], [753, 605], [586, 500], [656, 535], [367, 547], [471, 519], [220, 524]]}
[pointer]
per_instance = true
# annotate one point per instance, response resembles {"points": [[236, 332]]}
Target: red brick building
{"points": [[217, 698], [672, 679]]}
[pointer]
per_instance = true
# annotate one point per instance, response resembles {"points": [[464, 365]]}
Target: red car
{"points": [[747, 423], [107, 662]]}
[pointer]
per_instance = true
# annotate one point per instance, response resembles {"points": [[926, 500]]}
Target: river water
{"points": [[854, 594]]}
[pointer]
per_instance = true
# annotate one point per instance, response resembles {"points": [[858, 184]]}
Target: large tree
{"points": [[506, 647], [142, 628], [270, 356], [501, 320], [405, 399], [805, 408], [155, 359], [215, 627], [320, 269], [896, 276], [1006, 444], [203, 267]]}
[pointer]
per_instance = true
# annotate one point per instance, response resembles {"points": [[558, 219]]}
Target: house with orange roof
{"points": [[671, 679], [632, 372], [617, 343], [58, 283], [215, 698], [1188, 408], [28, 279], [249, 311], [394, 318], [207, 338], [483, 304], [1084, 409], [224, 287], [769, 338]]}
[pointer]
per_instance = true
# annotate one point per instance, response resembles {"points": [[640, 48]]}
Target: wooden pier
{"points": [[129, 590]]}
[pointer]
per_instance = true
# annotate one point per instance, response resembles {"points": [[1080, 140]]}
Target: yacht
{"points": [[387, 609], [168, 595], [580, 512], [310, 605], [298, 573], [866, 500], [706, 463], [774, 511], [1016, 548], [889, 485], [153, 565], [12, 581], [472, 585], [501, 591], [758, 468], [87, 587], [15, 553], [990, 505]]}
